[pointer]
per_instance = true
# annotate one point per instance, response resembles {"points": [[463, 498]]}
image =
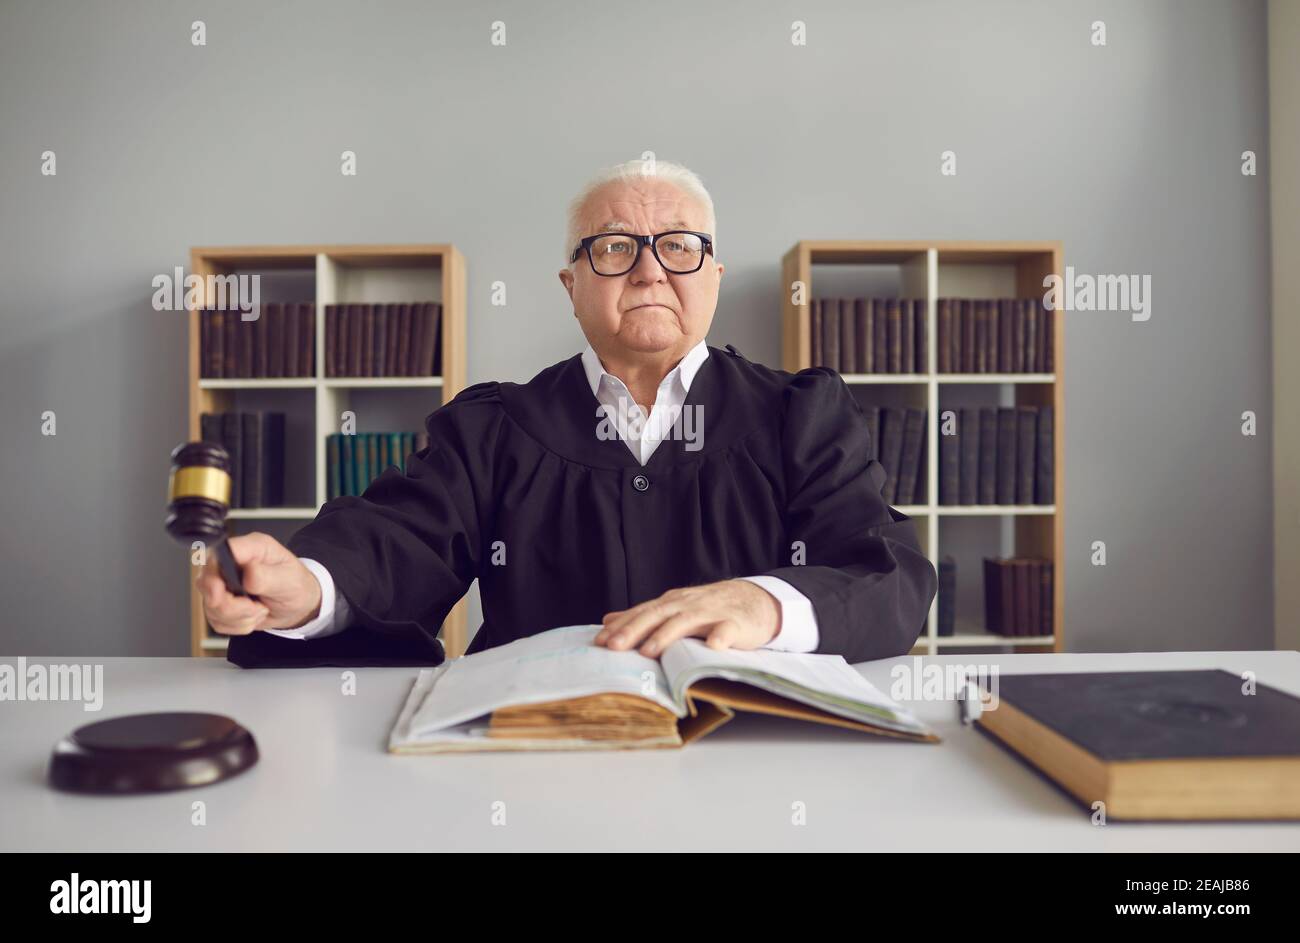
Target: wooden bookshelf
{"points": [[931, 270], [329, 275]]}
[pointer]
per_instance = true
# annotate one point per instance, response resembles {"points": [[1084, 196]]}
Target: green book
{"points": [[347, 470]]}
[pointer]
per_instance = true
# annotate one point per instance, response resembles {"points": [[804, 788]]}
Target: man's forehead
{"points": [[664, 212]]}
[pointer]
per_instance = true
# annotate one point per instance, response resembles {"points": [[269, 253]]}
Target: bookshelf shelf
{"points": [[329, 275], [930, 270]]}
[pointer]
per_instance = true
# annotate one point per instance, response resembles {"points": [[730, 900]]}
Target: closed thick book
{"points": [[891, 418], [873, 429], [971, 438], [557, 690], [230, 338], [907, 336], [967, 335], [862, 334], [373, 465], [379, 356], [909, 467], [406, 316], [210, 427], [307, 339], [1045, 462], [947, 599], [245, 331], [1046, 600], [232, 434], [988, 457], [274, 339], [880, 335], [1007, 434], [331, 340], [831, 333], [261, 344], [1047, 334], [216, 362], [368, 341], [921, 362], [356, 327], [251, 459], [1026, 448], [950, 463], [848, 337], [1006, 315], [980, 306], [894, 335], [943, 335], [347, 467], [992, 596], [361, 458], [333, 479], [272, 423], [392, 319], [1031, 335], [1168, 745], [292, 339]]}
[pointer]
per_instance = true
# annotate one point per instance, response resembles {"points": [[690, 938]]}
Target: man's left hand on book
{"points": [[727, 614]]}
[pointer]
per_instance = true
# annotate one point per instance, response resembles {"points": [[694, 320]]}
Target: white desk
{"points": [[325, 782]]}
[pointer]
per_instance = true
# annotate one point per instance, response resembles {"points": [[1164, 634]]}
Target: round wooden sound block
{"points": [[151, 753]]}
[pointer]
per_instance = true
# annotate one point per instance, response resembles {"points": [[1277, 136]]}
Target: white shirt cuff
{"points": [[798, 620], [333, 608]]}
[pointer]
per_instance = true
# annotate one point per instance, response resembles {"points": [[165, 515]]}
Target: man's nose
{"points": [[647, 269]]}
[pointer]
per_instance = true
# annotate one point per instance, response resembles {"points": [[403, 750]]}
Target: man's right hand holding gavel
{"points": [[288, 595]]}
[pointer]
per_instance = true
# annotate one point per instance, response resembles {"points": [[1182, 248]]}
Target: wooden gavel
{"points": [[198, 497]]}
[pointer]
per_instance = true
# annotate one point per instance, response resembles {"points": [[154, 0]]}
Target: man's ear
{"points": [[566, 279]]}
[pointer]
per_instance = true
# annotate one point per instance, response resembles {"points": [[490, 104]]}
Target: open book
{"points": [[559, 691]]}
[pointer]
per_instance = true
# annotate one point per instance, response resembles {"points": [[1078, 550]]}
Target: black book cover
{"points": [[909, 464], [988, 461], [274, 339], [921, 364], [880, 335], [947, 600], [251, 460], [848, 337], [862, 328], [1006, 451], [272, 459], [292, 328], [815, 317], [968, 478], [873, 429], [1045, 466], [216, 344], [232, 432], [950, 462], [891, 449], [831, 333], [380, 353], [1026, 447], [907, 327]]}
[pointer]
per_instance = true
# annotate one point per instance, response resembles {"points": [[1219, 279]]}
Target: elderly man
{"points": [[651, 484]]}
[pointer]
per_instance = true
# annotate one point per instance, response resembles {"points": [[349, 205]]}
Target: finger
{"points": [[612, 621], [724, 635], [673, 628], [632, 631], [235, 611], [242, 625]]}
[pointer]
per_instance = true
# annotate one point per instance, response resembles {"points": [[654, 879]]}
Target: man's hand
{"points": [[729, 614], [288, 595]]}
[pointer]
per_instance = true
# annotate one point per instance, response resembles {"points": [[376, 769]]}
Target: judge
{"points": [[651, 484]]}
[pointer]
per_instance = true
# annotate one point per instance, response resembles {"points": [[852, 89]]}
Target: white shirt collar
{"points": [[685, 369]]}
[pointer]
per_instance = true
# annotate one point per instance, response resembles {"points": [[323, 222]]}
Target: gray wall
{"points": [[1128, 153]]}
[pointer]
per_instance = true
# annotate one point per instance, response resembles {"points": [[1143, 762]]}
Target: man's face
{"points": [[646, 310]]}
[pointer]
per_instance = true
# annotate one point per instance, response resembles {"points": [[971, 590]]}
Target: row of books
{"points": [[255, 442], [279, 341], [353, 461], [868, 335], [898, 443], [993, 335], [383, 340], [1017, 596], [998, 455]]}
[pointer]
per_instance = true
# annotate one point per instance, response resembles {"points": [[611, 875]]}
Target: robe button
{"points": [[641, 483]]}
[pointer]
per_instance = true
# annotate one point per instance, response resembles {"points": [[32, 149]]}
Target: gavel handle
{"points": [[230, 570]]}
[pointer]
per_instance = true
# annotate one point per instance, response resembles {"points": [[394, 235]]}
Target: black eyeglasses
{"points": [[616, 253]]}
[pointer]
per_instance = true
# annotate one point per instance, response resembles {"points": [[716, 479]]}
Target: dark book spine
{"points": [[947, 599], [307, 312], [920, 337], [272, 459], [251, 430], [815, 317], [217, 341], [950, 460], [392, 314], [274, 339], [368, 342], [980, 307], [331, 339], [1045, 466], [1034, 572], [332, 481], [907, 338], [1031, 336], [968, 478], [381, 340], [403, 361], [437, 338], [988, 461], [347, 467], [210, 427], [1026, 588], [361, 454], [1006, 448], [1048, 331], [428, 339], [230, 338], [943, 335], [848, 337], [862, 334], [373, 468], [967, 335], [1017, 336], [880, 335], [261, 336], [909, 464], [205, 341], [1006, 598], [991, 335], [1026, 446], [1006, 318], [345, 340], [831, 333], [1046, 598], [245, 333], [356, 325], [292, 328], [231, 437], [892, 444], [894, 335]]}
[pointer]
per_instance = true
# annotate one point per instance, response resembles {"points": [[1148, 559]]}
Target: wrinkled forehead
{"points": [[625, 208]]}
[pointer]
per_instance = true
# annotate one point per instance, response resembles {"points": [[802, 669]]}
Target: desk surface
{"points": [[325, 781]]}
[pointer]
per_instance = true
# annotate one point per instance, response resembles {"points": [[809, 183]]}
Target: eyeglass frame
{"points": [[641, 242]]}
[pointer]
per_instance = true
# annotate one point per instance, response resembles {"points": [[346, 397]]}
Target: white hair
{"points": [[632, 171]]}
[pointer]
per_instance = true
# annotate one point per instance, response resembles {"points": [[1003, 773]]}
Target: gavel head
{"points": [[198, 493]]}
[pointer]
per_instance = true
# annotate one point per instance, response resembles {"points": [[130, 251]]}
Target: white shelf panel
{"points": [[379, 382], [996, 377], [272, 514], [984, 639], [873, 378], [991, 510], [259, 383]]}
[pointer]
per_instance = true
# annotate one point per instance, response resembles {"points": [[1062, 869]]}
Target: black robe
{"points": [[561, 526]]}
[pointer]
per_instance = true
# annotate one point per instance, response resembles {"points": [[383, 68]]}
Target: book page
{"points": [[825, 681], [551, 666]]}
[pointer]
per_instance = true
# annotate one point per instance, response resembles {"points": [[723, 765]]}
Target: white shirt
{"points": [[642, 434]]}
